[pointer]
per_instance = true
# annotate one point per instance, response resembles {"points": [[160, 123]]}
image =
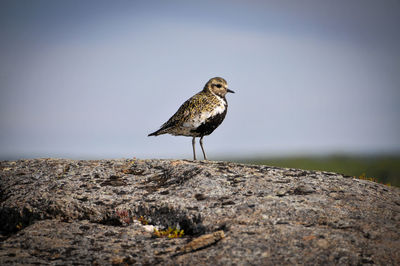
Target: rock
{"points": [[201, 242], [55, 211]]}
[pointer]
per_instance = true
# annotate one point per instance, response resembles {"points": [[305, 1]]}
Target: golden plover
{"points": [[200, 115]]}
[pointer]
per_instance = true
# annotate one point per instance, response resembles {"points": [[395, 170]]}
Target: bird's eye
{"points": [[218, 85]]}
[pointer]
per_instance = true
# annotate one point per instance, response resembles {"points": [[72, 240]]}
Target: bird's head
{"points": [[217, 86]]}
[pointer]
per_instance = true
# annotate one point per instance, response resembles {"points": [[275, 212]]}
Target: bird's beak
{"points": [[228, 90]]}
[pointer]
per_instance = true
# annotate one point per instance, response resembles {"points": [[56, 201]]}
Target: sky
{"points": [[91, 79]]}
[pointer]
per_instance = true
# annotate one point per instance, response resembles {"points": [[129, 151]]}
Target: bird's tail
{"points": [[155, 133]]}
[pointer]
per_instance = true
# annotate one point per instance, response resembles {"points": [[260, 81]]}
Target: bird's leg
{"points": [[194, 148], [202, 148]]}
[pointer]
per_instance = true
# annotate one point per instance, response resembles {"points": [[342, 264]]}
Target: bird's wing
{"points": [[189, 110]]}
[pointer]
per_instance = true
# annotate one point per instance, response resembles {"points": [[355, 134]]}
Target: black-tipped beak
{"points": [[231, 91]]}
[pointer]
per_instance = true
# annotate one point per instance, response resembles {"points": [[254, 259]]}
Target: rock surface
{"points": [[103, 212]]}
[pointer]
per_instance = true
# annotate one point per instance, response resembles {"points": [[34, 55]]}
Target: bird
{"points": [[200, 115]]}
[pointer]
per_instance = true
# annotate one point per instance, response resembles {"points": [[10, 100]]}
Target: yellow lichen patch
{"points": [[170, 233], [364, 177], [143, 220], [19, 226]]}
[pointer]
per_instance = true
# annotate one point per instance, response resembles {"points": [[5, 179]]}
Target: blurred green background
{"points": [[383, 168]]}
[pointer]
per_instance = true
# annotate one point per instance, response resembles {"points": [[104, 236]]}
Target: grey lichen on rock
{"points": [[102, 212]]}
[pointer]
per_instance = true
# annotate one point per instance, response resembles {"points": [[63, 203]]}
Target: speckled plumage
{"points": [[200, 115]]}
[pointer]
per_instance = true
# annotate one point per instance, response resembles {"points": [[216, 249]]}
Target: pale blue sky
{"points": [[90, 79]]}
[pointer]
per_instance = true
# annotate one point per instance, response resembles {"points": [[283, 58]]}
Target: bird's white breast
{"points": [[196, 121]]}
